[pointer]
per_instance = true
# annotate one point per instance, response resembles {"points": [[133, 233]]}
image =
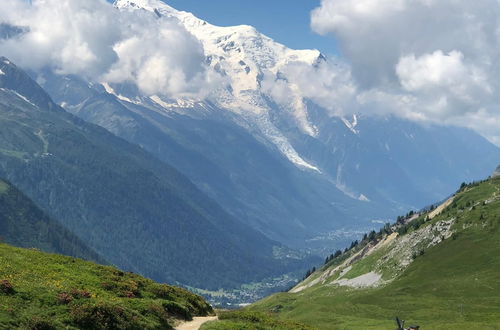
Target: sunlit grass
{"points": [[64, 292]]}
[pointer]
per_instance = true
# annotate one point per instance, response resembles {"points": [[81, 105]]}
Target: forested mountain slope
{"points": [[23, 224], [136, 211]]}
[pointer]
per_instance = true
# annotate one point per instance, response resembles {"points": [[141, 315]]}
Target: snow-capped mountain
{"points": [[284, 165], [245, 56]]}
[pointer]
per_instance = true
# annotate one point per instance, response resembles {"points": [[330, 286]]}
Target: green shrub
{"points": [[104, 316], [6, 287], [178, 310], [38, 323]]}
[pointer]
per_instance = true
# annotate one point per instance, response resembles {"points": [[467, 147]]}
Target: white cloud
{"points": [[430, 60], [327, 84], [93, 39], [432, 70]]}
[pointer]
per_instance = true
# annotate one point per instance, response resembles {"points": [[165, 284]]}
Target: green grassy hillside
{"points": [[48, 291], [23, 224], [439, 269]]}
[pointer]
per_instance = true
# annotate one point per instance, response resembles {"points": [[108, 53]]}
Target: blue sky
{"points": [[286, 21]]}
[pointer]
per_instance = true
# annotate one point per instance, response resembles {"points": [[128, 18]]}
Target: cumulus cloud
{"points": [[94, 40], [427, 60], [327, 83]]}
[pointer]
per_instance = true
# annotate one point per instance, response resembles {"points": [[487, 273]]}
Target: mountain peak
{"points": [[18, 82], [149, 5], [247, 59]]}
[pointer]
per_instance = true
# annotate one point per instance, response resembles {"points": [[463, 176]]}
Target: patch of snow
{"points": [[345, 189], [363, 198], [275, 136], [2, 73], [111, 91], [351, 125], [177, 104], [23, 98], [156, 99]]}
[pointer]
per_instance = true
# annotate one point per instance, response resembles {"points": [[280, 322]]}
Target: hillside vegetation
{"points": [[48, 291], [23, 224], [438, 269]]}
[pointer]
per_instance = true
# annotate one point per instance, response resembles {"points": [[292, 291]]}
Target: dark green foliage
{"points": [[309, 273], [104, 316], [178, 310], [353, 245], [37, 323], [23, 224], [402, 230], [6, 287], [332, 256]]}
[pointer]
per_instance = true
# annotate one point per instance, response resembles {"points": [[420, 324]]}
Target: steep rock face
{"points": [[135, 210], [291, 171]]}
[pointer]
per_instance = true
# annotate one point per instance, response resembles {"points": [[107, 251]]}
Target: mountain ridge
{"points": [[138, 212], [366, 163]]}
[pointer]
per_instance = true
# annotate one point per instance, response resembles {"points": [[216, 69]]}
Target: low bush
{"points": [[178, 310], [6, 287], [103, 316]]}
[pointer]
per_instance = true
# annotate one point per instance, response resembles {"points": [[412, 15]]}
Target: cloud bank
{"points": [[92, 39], [425, 60], [429, 60]]}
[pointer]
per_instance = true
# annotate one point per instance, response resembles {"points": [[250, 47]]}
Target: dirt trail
{"points": [[196, 323], [440, 208]]}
